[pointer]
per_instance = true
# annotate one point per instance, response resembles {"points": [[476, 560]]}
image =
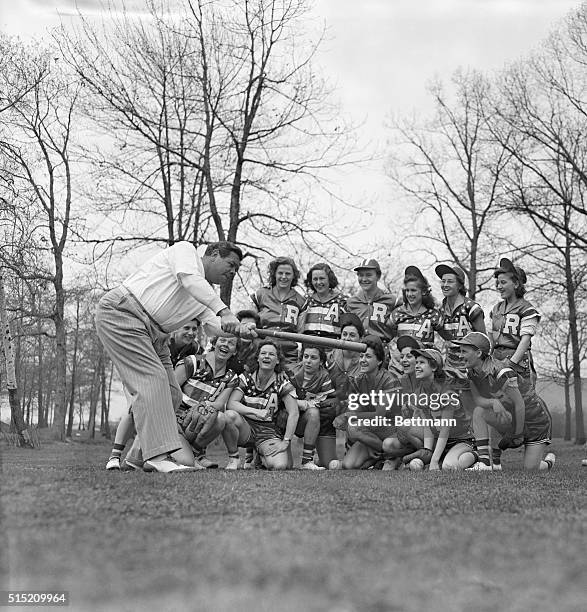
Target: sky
{"points": [[380, 55]]}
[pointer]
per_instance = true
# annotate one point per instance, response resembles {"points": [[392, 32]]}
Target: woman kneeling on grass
{"points": [[256, 407], [205, 380], [368, 402], [317, 404], [447, 440], [501, 413]]}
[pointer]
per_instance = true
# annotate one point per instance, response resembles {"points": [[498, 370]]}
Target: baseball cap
{"points": [[431, 355], [506, 265], [405, 341], [443, 269], [369, 264], [477, 339], [413, 271]]}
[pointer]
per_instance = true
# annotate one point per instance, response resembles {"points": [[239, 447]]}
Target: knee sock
{"points": [[117, 450], [308, 454], [483, 451]]}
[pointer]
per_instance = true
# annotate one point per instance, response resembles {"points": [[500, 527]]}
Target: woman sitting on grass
{"points": [[317, 405], [256, 407], [205, 380], [447, 444], [367, 399]]}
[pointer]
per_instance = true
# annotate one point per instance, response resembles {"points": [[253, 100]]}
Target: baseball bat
{"points": [[321, 341]]}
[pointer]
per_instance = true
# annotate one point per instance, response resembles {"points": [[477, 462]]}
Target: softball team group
{"points": [[434, 388]]}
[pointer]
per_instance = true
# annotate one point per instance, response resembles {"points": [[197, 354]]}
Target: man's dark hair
{"points": [[224, 249]]}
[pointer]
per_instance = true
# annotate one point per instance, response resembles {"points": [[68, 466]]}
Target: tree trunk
{"points": [[73, 372], [41, 418], [568, 407], [104, 413], [60, 404], [17, 423], [94, 392], [575, 349]]}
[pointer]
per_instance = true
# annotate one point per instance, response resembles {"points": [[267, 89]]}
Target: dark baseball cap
{"points": [[369, 264], [432, 355], [443, 269], [478, 340], [405, 341], [507, 266], [413, 271]]}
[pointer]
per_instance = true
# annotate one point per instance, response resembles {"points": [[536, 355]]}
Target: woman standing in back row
{"points": [[279, 305]]}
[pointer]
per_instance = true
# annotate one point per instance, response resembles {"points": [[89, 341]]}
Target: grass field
{"points": [[336, 541]]}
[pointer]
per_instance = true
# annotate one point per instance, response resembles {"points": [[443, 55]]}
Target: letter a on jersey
{"points": [[272, 404], [332, 314], [425, 328]]}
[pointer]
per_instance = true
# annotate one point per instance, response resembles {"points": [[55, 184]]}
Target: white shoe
{"points": [[310, 465], [113, 463], [166, 466], [584, 463], [249, 465], [479, 467], [497, 467], [233, 464], [550, 458]]}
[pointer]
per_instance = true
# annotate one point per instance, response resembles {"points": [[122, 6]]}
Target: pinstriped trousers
{"points": [[140, 353]]}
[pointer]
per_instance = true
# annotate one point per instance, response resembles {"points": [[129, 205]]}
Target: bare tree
{"points": [[35, 140], [555, 346], [220, 120], [452, 169], [545, 182]]}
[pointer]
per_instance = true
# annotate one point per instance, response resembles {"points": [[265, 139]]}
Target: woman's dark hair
{"points": [[351, 319], [321, 352], [332, 280], [427, 298], [282, 261], [375, 344], [519, 277], [279, 366]]}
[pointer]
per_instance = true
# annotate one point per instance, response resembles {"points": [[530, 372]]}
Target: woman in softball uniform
{"points": [[262, 412], [513, 323], [501, 413], [343, 364], [205, 380], [324, 305], [372, 304], [317, 405], [460, 314], [447, 439], [368, 399], [417, 316], [279, 305]]}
